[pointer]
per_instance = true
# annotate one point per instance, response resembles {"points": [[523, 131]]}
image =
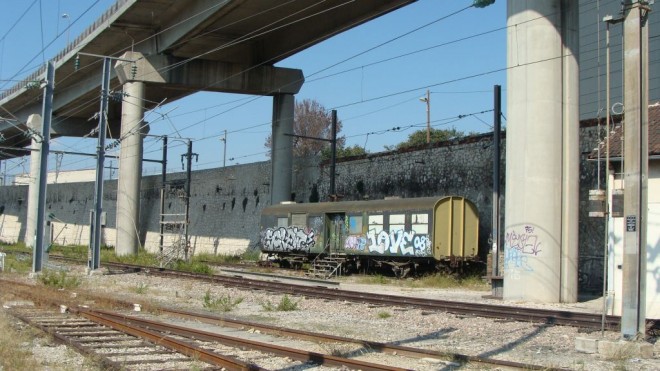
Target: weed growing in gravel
{"points": [[384, 315], [375, 280], [14, 347], [14, 247], [141, 288], [193, 267], [444, 281], [59, 279], [70, 251], [285, 305], [217, 259], [437, 280], [224, 303], [251, 255], [142, 258], [622, 353], [18, 262]]}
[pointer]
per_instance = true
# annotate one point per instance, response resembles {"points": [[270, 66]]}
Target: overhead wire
{"points": [[213, 7], [43, 49], [357, 102], [333, 8], [379, 45], [347, 59]]}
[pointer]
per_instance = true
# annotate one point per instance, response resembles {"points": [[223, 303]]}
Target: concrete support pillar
{"points": [[570, 152], [34, 123], [282, 148], [130, 169], [636, 170], [542, 155]]}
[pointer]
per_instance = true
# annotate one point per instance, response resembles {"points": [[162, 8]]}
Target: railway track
{"points": [[543, 316], [310, 289], [133, 341], [115, 349]]}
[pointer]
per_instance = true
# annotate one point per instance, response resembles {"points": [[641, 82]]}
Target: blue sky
{"points": [[373, 91]]}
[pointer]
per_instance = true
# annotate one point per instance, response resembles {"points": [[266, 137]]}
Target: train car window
{"points": [[299, 220], [397, 222], [283, 222], [355, 224], [420, 223], [376, 221]]}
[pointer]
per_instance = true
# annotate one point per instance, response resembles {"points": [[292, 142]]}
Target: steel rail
{"points": [[304, 335], [105, 362], [165, 340], [553, 317], [370, 345], [300, 355]]}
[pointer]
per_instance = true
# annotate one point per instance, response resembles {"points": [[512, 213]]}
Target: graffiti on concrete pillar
{"points": [[525, 240], [516, 262]]}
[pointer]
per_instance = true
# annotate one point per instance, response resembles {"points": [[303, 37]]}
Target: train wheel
{"points": [[401, 270]]}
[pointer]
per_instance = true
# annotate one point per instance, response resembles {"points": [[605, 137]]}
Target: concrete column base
{"points": [[620, 349]]}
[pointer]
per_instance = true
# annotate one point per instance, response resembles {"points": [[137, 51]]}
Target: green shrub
{"points": [[217, 259], [378, 279], [142, 258], [70, 251], [285, 305], [193, 267], [224, 303], [59, 279], [251, 255], [141, 288], [384, 315], [18, 262]]}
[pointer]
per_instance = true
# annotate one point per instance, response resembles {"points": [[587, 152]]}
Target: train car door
{"points": [[335, 232]]}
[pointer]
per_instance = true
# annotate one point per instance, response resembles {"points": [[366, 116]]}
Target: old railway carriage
{"points": [[402, 233]]}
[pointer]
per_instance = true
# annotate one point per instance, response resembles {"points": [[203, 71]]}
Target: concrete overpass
{"points": [[179, 48], [210, 45]]}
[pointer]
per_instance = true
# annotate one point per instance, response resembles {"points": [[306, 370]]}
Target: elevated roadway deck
{"points": [[211, 45]]}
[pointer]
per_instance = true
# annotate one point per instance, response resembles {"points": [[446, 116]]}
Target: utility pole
{"points": [[112, 169], [427, 99], [96, 228], [496, 279], [224, 156], [333, 150], [609, 20], [189, 154], [163, 184], [635, 196], [47, 113]]}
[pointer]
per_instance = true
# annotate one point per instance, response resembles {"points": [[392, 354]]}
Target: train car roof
{"points": [[418, 203]]}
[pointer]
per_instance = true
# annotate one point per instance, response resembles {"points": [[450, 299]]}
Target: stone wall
{"points": [[449, 169], [226, 203]]}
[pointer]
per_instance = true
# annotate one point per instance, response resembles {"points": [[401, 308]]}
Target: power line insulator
{"points": [[134, 70], [76, 63]]}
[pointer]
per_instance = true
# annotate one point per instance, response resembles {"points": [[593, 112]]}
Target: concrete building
{"points": [[592, 57], [55, 177], [616, 224]]}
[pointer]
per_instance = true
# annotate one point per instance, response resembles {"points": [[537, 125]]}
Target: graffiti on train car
{"points": [[396, 242], [292, 239], [355, 243]]}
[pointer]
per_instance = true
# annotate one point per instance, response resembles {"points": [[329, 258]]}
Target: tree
{"points": [[342, 151], [418, 138], [312, 120]]}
